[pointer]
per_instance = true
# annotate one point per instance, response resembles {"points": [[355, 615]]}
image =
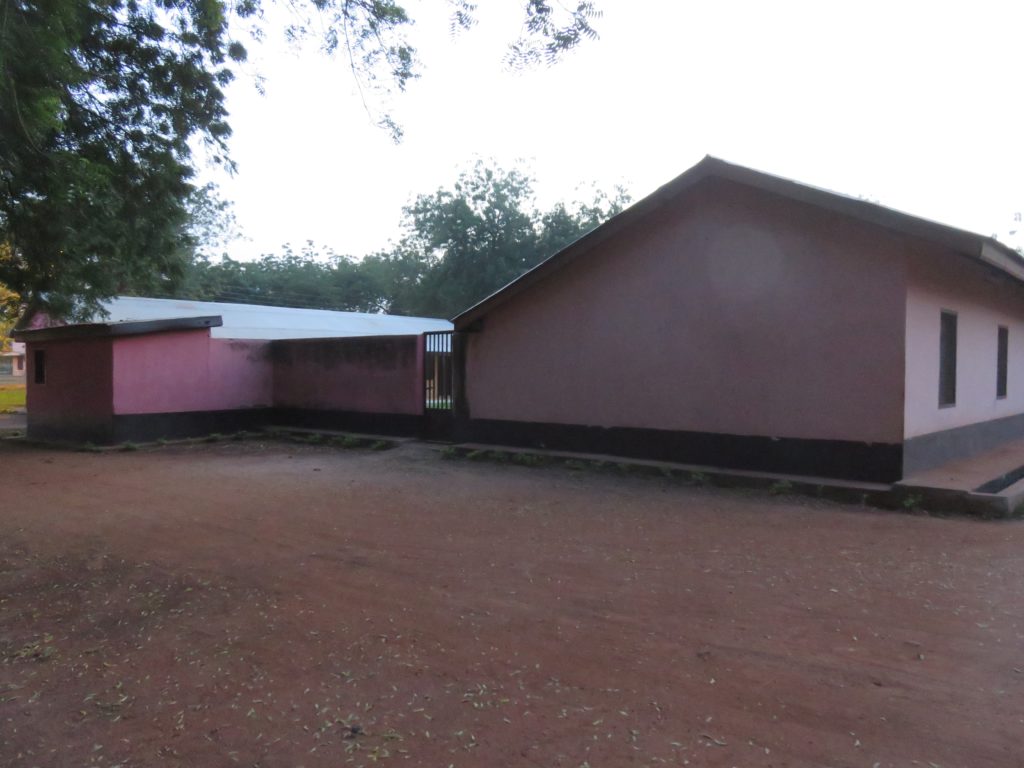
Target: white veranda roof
{"points": [[252, 321]]}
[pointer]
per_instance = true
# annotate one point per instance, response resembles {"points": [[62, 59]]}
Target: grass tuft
{"points": [[698, 478], [528, 459]]}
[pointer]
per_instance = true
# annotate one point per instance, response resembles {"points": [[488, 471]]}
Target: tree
{"points": [[461, 244], [98, 103], [483, 233], [565, 224], [476, 237], [102, 103], [9, 306]]}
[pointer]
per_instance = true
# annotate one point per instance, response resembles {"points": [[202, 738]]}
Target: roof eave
{"points": [[983, 249], [110, 330], [639, 210]]}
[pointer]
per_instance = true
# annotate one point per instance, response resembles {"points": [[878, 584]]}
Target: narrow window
{"points": [[947, 360], [39, 375], [1001, 361]]}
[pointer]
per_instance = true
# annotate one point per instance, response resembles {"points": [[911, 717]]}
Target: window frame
{"points": [[39, 367], [1002, 361], [948, 333]]}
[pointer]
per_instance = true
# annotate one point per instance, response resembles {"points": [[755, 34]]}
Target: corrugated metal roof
{"points": [[252, 321]]}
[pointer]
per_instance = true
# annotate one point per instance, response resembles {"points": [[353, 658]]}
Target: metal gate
{"points": [[437, 371], [438, 386]]}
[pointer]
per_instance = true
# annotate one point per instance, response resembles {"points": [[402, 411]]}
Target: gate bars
{"points": [[437, 370]]}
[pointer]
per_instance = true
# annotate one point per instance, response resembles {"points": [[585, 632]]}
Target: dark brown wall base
{"points": [[145, 427], [98, 433], [152, 426], [874, 462], [395, 424], [878, 462], [932, 450]]}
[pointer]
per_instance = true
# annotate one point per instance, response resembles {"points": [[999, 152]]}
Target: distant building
{"points": [[12, 364]]}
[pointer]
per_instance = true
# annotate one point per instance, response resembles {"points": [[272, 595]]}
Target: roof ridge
{"points": [[963, 241]]}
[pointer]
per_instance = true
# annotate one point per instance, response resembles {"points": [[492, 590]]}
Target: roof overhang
{"points": [[982, 249], [108, 330]]}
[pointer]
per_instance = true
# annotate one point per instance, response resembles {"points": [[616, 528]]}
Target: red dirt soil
{"points": [[267, 604]]}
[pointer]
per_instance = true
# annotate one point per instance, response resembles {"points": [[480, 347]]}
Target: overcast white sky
{"points": [[917, 105]]}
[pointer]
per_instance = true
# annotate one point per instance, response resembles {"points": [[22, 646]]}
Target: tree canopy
{"points": [[460, 244], [483, 233], [104, 103]]}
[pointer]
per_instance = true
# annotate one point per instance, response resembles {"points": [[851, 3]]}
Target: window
{"points": [[39, 366], [947, 360], [6, 366], [21, 363], [1001, 360]]}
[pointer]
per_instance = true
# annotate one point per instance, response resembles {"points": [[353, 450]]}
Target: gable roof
{"points": [[130, 315], [986, 250]]}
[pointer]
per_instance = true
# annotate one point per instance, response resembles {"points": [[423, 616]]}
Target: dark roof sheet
{"points": [[983, 249], [106, 330]]}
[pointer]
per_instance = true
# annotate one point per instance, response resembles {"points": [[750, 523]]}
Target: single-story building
{"points": [[163, 368], [738, 319], [731, 318]]}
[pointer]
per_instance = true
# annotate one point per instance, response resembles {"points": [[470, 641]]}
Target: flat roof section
{"points": [[106, 330], [243, 321]]}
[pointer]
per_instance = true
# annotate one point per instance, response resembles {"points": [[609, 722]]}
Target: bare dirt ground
{"points": [[265, 604]]}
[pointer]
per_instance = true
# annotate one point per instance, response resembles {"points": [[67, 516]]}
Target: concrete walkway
{"points": [[971, 473], [951, 488], [993, 480]]}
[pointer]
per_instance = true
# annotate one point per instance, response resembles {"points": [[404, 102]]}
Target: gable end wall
{"points": [[730, 312]]}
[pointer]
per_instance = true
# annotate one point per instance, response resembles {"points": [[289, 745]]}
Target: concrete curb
{"points": [[1001, 505], [898, 497]]}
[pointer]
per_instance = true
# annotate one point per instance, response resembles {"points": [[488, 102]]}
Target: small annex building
{"points": [[166, 368], [738, 319]]}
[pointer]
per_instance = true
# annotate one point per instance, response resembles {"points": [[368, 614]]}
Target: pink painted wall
{"points": [[945, 281], [734, 312], [381, 374], [75, 401], [188, 371]]}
